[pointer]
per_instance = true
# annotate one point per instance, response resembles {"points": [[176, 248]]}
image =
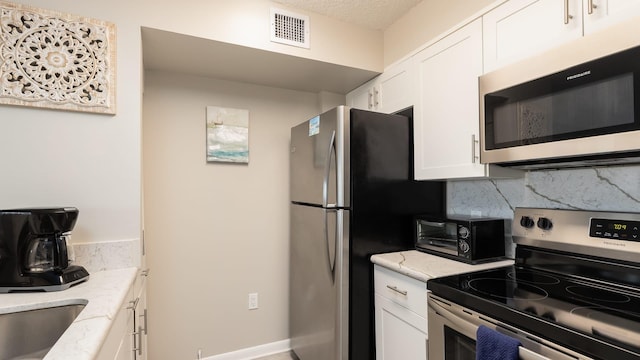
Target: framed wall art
{"points": [[54, 60], [227, 135]]}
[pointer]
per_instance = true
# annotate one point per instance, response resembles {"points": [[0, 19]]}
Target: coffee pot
{"points": [[34, 251]]}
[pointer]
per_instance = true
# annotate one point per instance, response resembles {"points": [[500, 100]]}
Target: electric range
{"points": [[573, 292]]}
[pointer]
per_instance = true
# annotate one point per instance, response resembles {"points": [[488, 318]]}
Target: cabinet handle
{"points": [[376, 97], [567, 16], [144, 316], [395, 288], [591, 6], [474, 157], [137, 348]]}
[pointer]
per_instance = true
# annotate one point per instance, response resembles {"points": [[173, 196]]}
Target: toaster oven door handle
{"points": [[523, 353]]}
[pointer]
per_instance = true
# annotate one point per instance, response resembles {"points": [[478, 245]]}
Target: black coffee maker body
{"points": [[33, 250]]}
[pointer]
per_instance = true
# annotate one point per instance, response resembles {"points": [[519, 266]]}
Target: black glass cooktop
{"points": [[563, 308]]}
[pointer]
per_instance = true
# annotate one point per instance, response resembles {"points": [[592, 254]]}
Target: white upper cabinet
{"points": [[387, 93], [446, 121], [441, 80], [366, 96], [395, 87], [599, 14], [520, 28]]}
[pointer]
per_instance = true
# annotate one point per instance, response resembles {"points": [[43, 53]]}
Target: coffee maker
{"points": [[33, 250]]}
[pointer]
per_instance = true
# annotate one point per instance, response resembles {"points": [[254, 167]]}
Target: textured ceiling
{"points": [[373, 14]]}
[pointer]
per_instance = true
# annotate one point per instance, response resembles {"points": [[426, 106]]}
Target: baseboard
{"points": [[254, 352]]}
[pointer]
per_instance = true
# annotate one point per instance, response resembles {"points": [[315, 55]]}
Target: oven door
{"points": [[452, 335]]}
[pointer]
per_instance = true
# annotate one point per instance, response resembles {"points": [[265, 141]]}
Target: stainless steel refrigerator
{"points": [[352, 196]]}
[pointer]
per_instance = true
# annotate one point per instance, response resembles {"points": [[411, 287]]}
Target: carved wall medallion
{"points": [[55, 60]]}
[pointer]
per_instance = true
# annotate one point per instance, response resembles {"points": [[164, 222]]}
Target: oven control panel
{"points": [[614, 235], [615, 229]]}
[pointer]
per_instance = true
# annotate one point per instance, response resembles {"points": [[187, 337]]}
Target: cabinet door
{"points": [[125, 351], [399, 332], [141, 325], [396, 88], [140, 322], [365, 97], [118, 344], [446, 123], [599, 14], [519, 28]]}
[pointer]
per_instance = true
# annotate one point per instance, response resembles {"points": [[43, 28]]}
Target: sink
{"points": [[29, 335]]}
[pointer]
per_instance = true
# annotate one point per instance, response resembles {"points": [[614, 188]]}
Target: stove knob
{"points": [[545, 223], [527, 222]]}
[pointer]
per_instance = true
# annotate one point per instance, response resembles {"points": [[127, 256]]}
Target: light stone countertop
{"points": [[103, 294], [423, 266]]}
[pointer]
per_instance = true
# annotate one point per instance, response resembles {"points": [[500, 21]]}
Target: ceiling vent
{"points": [[289, 28]]}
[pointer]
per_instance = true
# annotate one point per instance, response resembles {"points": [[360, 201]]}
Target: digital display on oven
{"points": [[615, 229]]}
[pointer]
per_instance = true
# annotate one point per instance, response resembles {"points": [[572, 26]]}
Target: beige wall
{"points": [[246, 23], [216, 232], [426, 21], [56, 158]]}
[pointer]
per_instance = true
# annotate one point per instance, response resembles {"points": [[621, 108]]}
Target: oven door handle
{"points": [[523, 353]]}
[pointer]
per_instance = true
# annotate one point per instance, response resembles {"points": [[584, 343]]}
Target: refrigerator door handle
{"points": [[327, 171], [331, 258]]}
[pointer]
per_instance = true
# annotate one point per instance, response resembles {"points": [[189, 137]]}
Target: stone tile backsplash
{"points": [[109, 255], [614, 188]]}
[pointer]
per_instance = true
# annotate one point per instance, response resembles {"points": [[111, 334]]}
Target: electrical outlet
{"points": [[253, 301]]}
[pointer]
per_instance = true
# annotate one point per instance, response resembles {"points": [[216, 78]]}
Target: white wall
{"points": [[59, 158], [216, 232]]}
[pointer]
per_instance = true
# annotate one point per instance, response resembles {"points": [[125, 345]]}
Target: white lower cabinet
{"points": [[400, 316], [126, 339]]}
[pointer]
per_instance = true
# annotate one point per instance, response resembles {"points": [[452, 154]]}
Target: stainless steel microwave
{"points": [[463, 238], [576, 105]]}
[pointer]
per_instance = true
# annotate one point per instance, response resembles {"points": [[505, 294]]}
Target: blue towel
{"points": [[492, 345]]}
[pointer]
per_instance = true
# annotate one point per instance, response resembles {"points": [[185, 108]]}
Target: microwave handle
{"points": [[523, 354], [474, 143]]}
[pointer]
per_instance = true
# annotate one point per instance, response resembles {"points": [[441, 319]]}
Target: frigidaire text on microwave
{"points": [[576, 105]]}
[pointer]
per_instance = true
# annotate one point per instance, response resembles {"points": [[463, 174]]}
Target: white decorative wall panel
{"points": [[55, 60]]}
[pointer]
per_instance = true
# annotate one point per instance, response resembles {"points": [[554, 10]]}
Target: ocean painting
{"points": [[227, 135]]}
